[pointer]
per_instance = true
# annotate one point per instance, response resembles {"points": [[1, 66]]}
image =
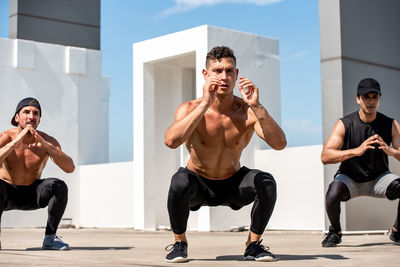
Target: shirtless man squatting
{"points": [[215, 129], [24, 152]]}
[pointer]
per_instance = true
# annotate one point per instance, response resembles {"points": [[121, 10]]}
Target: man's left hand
{"points": [[390, 151], [39, 140], [248, 91]]}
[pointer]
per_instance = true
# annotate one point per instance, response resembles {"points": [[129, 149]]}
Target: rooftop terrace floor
{"points": [[127, 247]]}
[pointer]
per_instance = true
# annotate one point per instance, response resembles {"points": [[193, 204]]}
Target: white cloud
{"points": [[182, 6], [296, 55]]}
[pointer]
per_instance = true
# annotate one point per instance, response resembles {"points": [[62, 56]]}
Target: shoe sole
{"points": [[330, 245], [177, 260], [261, 259], [396, 242], [63, 248]]}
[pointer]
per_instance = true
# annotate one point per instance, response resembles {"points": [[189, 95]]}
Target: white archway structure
{"points": [[167, 71]]}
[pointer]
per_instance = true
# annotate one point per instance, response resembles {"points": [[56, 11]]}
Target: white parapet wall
{"points": [[106, 195], [73, 95], [299, 174], [300, 203]]}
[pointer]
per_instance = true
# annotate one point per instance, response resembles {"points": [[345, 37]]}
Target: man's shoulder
{"points": [[384, 117], [8, 133], [6, 136], [240, 105], [189, 105], [351, 116], [46, 136]]}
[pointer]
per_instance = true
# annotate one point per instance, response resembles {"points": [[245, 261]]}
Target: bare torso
{"points": [[217, 143], [23, 165]]}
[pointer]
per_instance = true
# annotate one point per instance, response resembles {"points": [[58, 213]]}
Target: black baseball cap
{"points": [[368, 85], [29, 101]]}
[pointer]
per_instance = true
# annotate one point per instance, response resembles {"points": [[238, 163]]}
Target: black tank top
{"points": [[373, 162]]}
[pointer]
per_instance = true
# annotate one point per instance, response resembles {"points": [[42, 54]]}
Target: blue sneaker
{"points": [[53, 242]]}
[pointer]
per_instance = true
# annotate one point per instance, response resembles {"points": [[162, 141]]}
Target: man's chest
{"points": [[26, 158], [223, 130]]}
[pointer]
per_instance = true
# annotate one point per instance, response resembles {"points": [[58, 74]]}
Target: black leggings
{"points": [[338, 192], [189, 191], [52, 192]]}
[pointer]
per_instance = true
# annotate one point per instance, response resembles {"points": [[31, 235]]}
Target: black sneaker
{"points": [[256, 251], [178, 253], [332, 238], [395, 236]]}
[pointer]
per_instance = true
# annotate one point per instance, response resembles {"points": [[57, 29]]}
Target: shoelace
{"points": [[172, 246], [331, 233], [58, 238], [265, 248]]}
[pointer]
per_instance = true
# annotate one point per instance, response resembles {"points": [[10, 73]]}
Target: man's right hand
{"points": [[210, 90], [367, 144], [7, 145], [19, 139]]}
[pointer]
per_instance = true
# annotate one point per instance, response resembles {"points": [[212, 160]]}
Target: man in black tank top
{"points": [[361, 143]]}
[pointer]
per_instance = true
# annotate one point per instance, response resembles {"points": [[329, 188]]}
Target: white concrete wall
{"points": [[299, 174], [106, 198], [68, 83], [359, 39], [167, 71]]}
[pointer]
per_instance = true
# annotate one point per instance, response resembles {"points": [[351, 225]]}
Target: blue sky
{"points": [[293, 22]]}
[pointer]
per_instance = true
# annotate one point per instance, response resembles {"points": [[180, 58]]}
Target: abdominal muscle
{"points": [[214, 163]]}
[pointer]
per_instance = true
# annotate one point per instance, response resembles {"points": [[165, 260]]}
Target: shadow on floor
{"points": [[368, 245], [88, 248], [285, 257], [280, 257]]}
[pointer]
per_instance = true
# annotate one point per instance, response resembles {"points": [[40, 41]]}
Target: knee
{"points": [[180, 184], [393, 190], [60, 188], [337, 191], [265, 183]]}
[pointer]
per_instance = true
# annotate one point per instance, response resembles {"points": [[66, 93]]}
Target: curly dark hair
{"points": [[219, 52]]}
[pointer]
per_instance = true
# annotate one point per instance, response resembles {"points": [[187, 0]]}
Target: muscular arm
{"points": [[267, 129], [393, 151], [396, 139], [187, 117], [185, 122], [53, 149], [332, 153], [60, 158], [7, 145]]}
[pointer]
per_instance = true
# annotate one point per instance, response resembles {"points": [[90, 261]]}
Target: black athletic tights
{"points": [[51, 191], [338, 192], [189, 191]]}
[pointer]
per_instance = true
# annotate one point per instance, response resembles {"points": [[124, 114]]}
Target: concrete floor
{"points": [[127, 247]]}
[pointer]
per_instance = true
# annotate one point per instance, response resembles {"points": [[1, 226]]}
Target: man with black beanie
{"points": [[24, 152]]}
